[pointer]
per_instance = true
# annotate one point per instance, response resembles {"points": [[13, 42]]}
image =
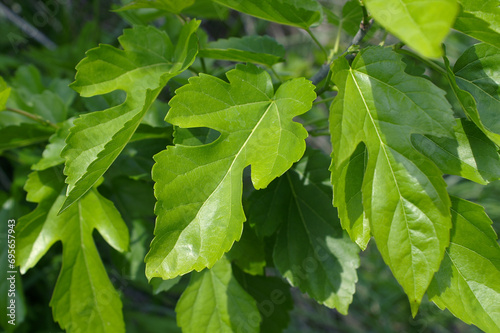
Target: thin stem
{"points": [[317, 42], [203, 65], [181, 18], [324, 100], [429, 63], [366, 17], [33, 117]]}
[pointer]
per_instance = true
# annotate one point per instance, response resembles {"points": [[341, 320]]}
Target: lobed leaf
{"points": [[51, 156], [311, 251], [467, 282], [420, 24], [199, 188], [84, 299], [298, 13], [255, 49], [403, 194], [215, 302], [144, 66]]}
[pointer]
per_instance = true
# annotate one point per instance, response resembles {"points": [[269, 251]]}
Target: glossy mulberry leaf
{"points": [[4, 93], [476, 82], [298, 13], [215, 302], [312, 251], [422, 25], [255, 49], [403, 194], [273, 298], [146, 63], [171, 6], [470, 154], [84, 299], [199, 188], [467, 282]]}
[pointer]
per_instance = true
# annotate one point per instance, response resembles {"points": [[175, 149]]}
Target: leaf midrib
{"points": [[382, 145]]}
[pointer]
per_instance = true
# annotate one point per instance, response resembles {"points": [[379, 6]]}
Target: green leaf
{"points": [[298, 13], [171, 6], [215, 302], [273, 297], [470, 154], [144, 66], [248, 253], [311, 251], [84, 299], [477, 28], [488, 10], [160, 285], [348, 193], [199, 188], [264, 207], [476, 82], [24, 135], [255, 49], [422, 25], [467, 282], [4, 93], [52, 154], [352, 15], [403, 194]]}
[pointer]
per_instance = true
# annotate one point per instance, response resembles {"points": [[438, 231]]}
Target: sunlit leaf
{"points": [[467, 283], [403, 194], [199, 188], [146, 63], [84, 299]]}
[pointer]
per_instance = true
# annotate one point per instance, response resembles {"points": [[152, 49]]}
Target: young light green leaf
{"points": [[215, 302], [84, 299], [298, 13], [255, 49], [199, 188], [422, 25], [312, 252], [467, 282], [476, 82], [470, 154], [52, 154], [403, 194], [4, 93], [273, 297], [171, 6], [144, 66]]}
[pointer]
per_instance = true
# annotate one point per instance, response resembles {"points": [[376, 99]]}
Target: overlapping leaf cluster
{"points": [[393, 135]]}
